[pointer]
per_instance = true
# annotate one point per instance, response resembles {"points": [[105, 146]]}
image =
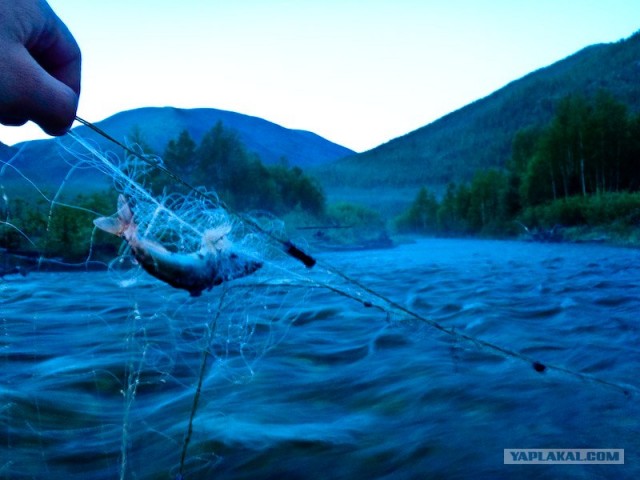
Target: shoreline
{"points": [[578, 235]]}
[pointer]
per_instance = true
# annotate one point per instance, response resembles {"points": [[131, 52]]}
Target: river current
{"points": [[100, 370]]}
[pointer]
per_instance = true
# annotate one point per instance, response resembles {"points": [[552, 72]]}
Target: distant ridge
{"points": [[479, 135], [158, 125], [270, 141], [5, 151]]}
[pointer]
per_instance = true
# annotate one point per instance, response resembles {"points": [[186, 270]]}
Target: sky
{"points": [[356, 72]]}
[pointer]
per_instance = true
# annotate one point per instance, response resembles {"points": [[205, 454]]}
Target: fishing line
{"points": [[196, 397], [293, 251], [538, 366]]}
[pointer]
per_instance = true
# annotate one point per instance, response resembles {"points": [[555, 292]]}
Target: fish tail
{"points": [[119, 225]]}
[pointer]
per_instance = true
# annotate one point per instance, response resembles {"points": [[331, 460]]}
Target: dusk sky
{"points": [[358, 73]]}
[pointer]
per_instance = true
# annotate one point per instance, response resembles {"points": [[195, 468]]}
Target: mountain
{"points": [[479, 135], [5, 151], [269, 140], [43, 161]]}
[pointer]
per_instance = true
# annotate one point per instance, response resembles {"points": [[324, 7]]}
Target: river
{"points": [[301, 381]]}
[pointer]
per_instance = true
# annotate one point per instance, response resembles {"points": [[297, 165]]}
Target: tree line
{"points": [[582, 168], [222, 162]]}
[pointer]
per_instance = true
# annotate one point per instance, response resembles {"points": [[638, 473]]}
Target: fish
{"points": [[216, 261]]}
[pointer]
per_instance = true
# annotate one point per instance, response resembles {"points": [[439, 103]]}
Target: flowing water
{"points": [[99, 373]]}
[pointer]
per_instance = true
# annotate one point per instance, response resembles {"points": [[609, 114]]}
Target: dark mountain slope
{"points": [[270, 141], [43, 161], [479, 135]]}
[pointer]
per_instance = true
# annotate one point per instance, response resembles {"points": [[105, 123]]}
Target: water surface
{"points": [[99, 371]]}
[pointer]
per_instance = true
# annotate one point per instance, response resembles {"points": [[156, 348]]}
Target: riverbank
{"points": [[612, 235], [620, 236]]}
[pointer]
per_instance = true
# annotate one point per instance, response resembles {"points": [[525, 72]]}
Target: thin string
{"points": [[496, 349], [196, 397]]}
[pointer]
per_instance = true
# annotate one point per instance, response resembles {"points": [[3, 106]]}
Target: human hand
{"points": [[39, 67]]}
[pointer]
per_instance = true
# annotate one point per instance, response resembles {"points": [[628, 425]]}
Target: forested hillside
{"points": [[480, 135]]}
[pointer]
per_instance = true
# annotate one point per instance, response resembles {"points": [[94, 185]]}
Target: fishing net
{"points": [[131, 335], [115, 373]]}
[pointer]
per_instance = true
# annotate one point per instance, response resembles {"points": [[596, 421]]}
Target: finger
{"points": [[41, 97]]}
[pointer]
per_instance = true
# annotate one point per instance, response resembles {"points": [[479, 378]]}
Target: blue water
{"points": [[99, 370]]}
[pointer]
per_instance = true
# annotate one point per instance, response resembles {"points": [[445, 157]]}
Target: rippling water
{"points": [[99, 373]]}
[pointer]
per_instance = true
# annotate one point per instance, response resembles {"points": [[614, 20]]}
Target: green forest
{"points": [[221, 162], [582, 171]]}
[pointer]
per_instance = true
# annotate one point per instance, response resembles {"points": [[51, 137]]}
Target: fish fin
{"points": [[111, 225], [117, 226], [124, 211], [215, 239]]}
